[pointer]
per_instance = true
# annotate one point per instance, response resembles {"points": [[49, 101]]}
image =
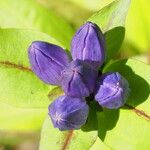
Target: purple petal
{"points": [[68, 113], [88, 45], [47, 61], [78, 79], [112, 90]]}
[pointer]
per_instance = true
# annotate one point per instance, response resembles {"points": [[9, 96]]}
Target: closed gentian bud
{"points": [[88, 45], [78, 79], [47, 61], [68, 113], [112, 90]]}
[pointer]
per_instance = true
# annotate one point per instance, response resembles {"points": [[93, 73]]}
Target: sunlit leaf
{"points": [[91, 5], [15, 119], [52, 138], [99, 145], [111, 16], [138, 25], [30, 14], [20, 86], [76, 10], [130, 125], [111, 20]]}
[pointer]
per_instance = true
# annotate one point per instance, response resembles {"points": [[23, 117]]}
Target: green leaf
{"points": [[52, 138], [111, 16], [99, 145], [75, 10], [15, 119], [91, 123], [111, 20], [114, 39], [139, 22], [143, 58], [91, 5], [138, 79], [128, 128], [20, 86], [30, 14]]}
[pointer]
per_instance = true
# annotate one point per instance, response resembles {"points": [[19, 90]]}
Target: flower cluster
{"points": [[78, 77]]}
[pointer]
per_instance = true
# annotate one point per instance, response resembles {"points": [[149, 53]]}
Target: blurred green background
{"points": [[137, 26], [20, 127]]}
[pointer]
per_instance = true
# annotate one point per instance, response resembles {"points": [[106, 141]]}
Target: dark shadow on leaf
{"points": [[106, 121], [114, 39], [140, 91], [92, 122]]}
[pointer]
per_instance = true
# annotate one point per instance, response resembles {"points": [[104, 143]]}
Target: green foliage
{"points": [[143, 58], [111, 16], [138, 79], [116, 32], [75, 10], [32, 15], [99, 145], [111, 20], [138, 25], [52, 138], [21, 87], [21, 119], [24, 98], [91, 5], [127, 128]]}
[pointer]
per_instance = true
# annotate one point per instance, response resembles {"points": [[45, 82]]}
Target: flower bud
{"points": [[88, 45], [112, 90], [47, 61], [78, 79], [68, 113]]}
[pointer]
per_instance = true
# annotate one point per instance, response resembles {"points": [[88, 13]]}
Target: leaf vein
{"points": [[67, 140], [13, 65], [139, 112]]}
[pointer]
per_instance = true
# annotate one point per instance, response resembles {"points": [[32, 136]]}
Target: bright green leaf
{"points": [[99, 145], [128, 128], [76, 10], [111, 16], [21, 119], [30, 14], [111, 20], [130, 131], [52, 138], [91, 5], [138, 25], [21, 87], [143, 58]]}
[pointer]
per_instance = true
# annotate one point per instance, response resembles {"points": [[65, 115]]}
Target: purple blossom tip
{"points": [[112, 90], [78, 79], [68, 113], [88, 45], [47, 61]]}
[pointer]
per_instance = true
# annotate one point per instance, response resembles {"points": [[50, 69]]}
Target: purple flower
{"points": [[47, 61], [68, 113], [78, 79], [88, 45], [52, 65], [112, 90]]}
